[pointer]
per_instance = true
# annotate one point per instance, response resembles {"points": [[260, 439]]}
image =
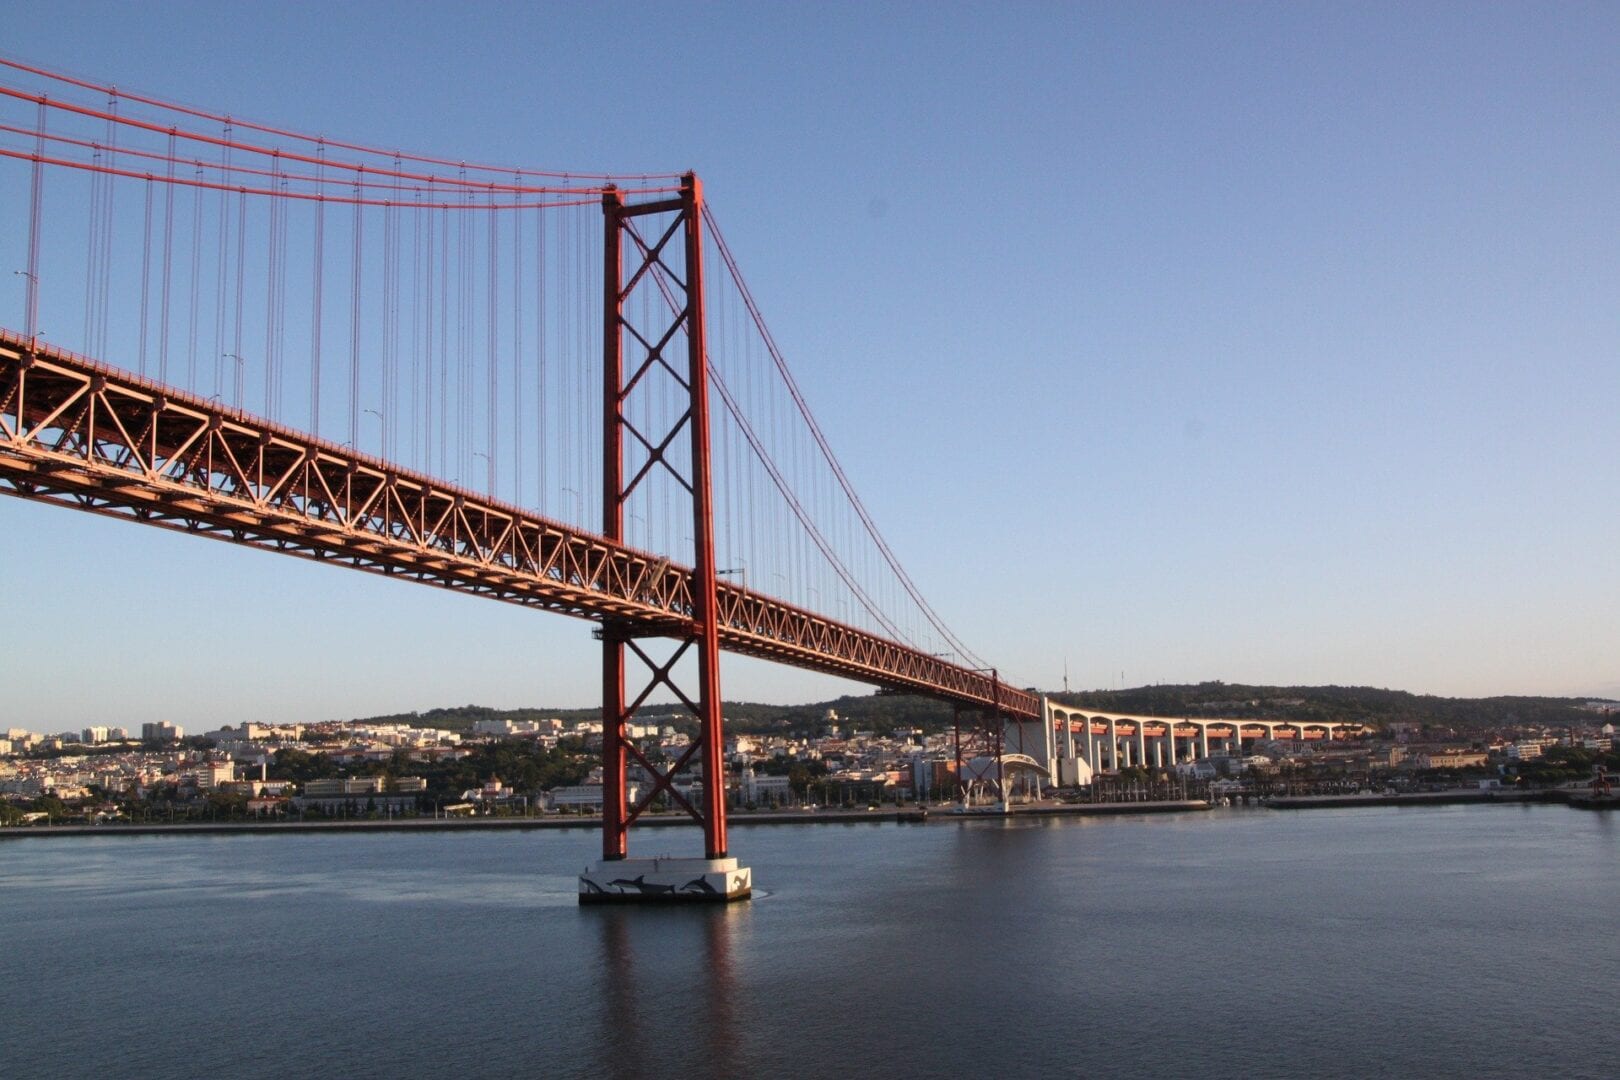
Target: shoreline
{"points": [[903, 815], [1420, 798], [906, 815]]}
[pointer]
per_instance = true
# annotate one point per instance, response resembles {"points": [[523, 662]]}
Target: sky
{"points": [[1270, 343]]}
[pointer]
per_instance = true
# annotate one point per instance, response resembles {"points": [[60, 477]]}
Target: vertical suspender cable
{"points": [[566, 361], [168, 253], [35, 197], [241, 272], [317, 290], [92, 246], [146, 275], [493, 333], [723, 444], [429, 222], [391, 417], [517, 351], [582, 385], [272, 265], [463, 315], [387, 350], [196, 277], [444, 341], [542, 421], [224, 256], [103, 284], [418, 422], [354, 318]]}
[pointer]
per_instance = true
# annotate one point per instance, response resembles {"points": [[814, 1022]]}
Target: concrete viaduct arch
{"points": [[1074, 744]]}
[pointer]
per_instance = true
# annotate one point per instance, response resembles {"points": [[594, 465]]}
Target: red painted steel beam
{"points": [[79, 433], [615, 758], [705, 582]]}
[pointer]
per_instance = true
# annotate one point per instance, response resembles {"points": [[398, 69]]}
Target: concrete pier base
{"points": [[665, 881]]}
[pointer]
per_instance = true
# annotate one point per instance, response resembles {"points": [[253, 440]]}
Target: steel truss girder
{"points": [[78, 433]]}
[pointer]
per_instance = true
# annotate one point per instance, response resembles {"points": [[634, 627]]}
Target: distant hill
{"points": [[879, 712], [884, 712]]}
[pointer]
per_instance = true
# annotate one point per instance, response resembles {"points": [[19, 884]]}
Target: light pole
{"points": [[240, 362], [32, 307]]}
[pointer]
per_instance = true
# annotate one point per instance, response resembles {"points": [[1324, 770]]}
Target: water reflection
{"points": [[669, 986]]}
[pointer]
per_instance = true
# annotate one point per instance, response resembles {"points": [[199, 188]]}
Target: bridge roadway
{"points": [[1073, 743], [83, 434]]}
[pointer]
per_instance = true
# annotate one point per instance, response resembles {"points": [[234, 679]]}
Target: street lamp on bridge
{"points": [[240, 362], [32, 306]]}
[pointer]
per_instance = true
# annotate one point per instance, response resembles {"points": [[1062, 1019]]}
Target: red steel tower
{"points": [[671, 263]]}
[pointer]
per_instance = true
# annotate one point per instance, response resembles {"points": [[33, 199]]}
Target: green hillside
{"points": [[884, 712]]}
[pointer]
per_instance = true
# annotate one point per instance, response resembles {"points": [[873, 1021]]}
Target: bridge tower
{"points": [[980, 751], [633, 355]]}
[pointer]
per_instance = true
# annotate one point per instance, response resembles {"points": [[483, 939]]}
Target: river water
{"points": [[1445, 941]]}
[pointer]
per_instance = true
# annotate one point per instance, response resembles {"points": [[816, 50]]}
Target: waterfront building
{"points": [[763, 790], [355, 794], [586, 798], [643, 731], [212, 774], [354, 785], [506, 727], [1452, 759]]}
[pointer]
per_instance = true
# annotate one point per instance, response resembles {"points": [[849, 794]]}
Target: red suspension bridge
{"points": [[513, 383]]}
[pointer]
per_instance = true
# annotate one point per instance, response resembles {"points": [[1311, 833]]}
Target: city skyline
{"points": [[1300, 368]]}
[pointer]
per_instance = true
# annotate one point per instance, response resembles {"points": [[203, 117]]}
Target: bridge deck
{"points": [[86, 435]]}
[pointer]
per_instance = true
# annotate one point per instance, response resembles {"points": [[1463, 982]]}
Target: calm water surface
{"points": [[1447, 941]]}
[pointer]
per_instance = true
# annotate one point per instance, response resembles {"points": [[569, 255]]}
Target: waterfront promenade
{"points": [[911, 815], [592, 821]]}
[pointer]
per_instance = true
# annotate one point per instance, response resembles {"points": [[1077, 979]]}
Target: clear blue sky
{"points": [[1268, 343]]}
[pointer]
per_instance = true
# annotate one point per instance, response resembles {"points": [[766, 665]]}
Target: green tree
{"points": [[301, 766]]}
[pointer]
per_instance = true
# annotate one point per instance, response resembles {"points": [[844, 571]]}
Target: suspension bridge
{"points": [[550, 389], [515, 383]]}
